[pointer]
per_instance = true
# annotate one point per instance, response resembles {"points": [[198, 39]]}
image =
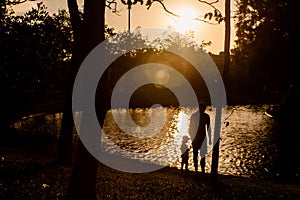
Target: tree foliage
{"points": [[267, 36], [35, 49]]}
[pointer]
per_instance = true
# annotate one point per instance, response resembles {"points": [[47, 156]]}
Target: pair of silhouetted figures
{"points": [[198, 129]]}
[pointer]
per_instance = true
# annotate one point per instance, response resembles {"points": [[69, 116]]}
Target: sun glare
{"points": [[186, 22]]}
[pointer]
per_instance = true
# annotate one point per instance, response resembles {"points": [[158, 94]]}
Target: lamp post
{"points": [[129, 3]]}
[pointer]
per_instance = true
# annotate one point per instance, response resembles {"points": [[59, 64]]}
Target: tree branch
{"points": [[217, 13], [16, 2], [205, 21], [76, 21], [150, 2], [112, 5], [211, 4]]}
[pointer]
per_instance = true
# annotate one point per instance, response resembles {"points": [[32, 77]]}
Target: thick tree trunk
{"points": [[83, 181]]}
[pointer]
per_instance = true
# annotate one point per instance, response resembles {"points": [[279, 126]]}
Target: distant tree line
{"points": [[36, 48]]}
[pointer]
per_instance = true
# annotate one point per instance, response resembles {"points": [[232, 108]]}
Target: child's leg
{"points": [[182, 165]]}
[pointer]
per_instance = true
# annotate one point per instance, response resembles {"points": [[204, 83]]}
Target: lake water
{"points": [[251, 146]]}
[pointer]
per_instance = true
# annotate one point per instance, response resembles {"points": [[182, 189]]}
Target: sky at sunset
{"points": [[158, 18]]}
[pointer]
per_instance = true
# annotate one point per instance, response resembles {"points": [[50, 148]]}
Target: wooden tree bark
{"points": [[66, 133], [83, 181], [215, 154], [87, 33], [227, 43]]}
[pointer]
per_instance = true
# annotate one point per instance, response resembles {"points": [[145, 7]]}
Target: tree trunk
{"points": [[83, 181], [215, 154], [65, 145], [227, 43]]}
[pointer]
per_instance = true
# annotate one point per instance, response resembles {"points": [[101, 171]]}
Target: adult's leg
{"points": [[187, 165], [195, 158], [203, 154], [202, 164]]}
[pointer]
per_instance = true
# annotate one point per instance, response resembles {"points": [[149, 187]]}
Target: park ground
{"points": [[29, 173]]}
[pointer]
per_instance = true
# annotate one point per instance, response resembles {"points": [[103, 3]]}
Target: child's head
{"points": [[185, 138]]}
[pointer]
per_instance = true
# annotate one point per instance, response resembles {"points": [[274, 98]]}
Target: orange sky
{"points": [[156, 17]]}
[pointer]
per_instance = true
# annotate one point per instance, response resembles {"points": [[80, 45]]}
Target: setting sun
{"points": [[185, 22]]}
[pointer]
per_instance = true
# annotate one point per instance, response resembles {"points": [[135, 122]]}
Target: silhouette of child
{"points": [[184, 152]]}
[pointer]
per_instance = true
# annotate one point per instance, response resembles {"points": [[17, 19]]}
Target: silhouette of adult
{"points": [[199, 127]]}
